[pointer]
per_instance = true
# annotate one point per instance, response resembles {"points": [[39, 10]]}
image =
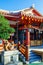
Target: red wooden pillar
{"points": [[27, 38], [27, 44]]}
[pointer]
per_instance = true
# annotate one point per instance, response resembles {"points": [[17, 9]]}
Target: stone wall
{"points": [[10, 56]]}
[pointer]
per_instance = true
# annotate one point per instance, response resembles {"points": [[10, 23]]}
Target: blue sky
{"points": [[21, 4]]}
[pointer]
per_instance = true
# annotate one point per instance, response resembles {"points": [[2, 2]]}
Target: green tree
{"points": [[5, 28]]}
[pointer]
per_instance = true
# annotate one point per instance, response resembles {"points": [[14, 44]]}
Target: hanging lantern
{"points": [[22, 17], [29, 22], [38, 20], [35, 19], [32, 19], [26, 17], [29, 18], [29, 26]]}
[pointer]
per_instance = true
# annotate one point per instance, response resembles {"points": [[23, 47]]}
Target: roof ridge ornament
{"points": [[33, 6]]}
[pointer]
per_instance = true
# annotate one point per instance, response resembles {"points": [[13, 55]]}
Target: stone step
{"points": [[15, 63]]}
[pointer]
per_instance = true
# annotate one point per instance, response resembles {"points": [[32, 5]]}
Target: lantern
{"points": [[29, 18], [22, 17], [35, 19], [26, 18], [32, 19], [38, 20], [29, 22]]}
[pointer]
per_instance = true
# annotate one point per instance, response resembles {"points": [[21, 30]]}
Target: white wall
{"points": [[8, 54]]}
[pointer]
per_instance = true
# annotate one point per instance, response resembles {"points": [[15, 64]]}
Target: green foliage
{"points": [[11, 30], [5, 28]]}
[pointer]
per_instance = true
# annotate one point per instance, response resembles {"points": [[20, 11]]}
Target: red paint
{"points": [[36, 13], [27, 37]]}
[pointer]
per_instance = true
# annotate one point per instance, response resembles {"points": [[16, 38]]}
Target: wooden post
{"points": [[27, 44], [34, 34], [18, 45], [27, 38]]}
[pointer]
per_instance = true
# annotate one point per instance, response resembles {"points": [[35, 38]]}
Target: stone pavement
{"points": [[15, 63]]}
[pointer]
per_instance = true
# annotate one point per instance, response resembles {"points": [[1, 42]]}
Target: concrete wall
{"points": [[9, 54]]}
